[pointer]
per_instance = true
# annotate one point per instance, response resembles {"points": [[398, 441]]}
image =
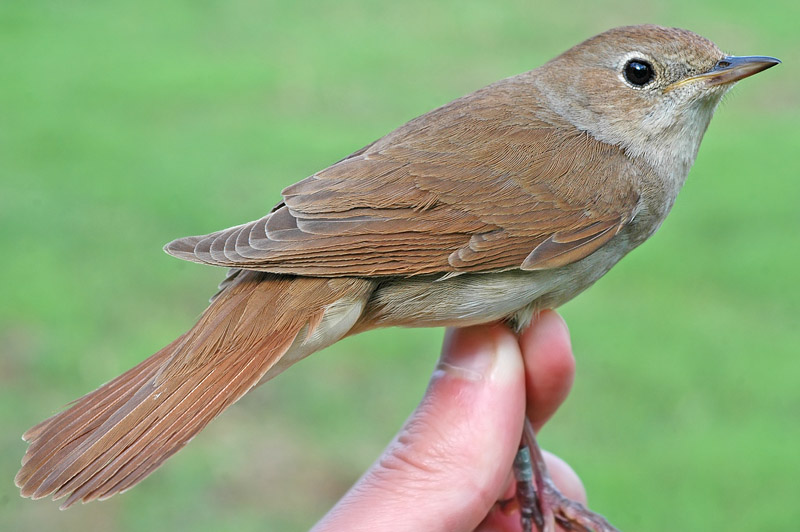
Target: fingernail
{"points": [[468, 354]]}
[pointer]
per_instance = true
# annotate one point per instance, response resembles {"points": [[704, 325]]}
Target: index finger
{"points": [[549, 365]]}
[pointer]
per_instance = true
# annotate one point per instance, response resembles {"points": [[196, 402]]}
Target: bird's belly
{"points": [[473, 298]]}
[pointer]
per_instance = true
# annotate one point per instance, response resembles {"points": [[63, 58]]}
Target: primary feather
{"points": [[487, 182]]}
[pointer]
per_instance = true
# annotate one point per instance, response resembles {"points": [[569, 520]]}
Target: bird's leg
{"points": [[529, 506], [540, 501]]}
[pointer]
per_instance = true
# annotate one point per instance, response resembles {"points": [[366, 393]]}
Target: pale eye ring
{"points": [[638, 72]]}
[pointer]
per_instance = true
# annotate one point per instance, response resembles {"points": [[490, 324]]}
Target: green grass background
{"points": [[126, 124]]}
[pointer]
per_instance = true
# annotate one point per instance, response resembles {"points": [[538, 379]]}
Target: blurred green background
{"points": [[125, 125]]}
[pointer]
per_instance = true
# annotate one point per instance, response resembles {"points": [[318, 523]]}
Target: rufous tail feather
{"points": [[112, 438]]}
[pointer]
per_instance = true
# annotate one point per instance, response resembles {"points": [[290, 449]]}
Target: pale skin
{"points": [[449, 465]]}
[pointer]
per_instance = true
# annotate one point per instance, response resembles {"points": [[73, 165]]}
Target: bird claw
{"points": [[541, 504], [572, 515]]}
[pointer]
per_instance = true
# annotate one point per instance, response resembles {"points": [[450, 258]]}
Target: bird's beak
{"points": [[730, 69]]}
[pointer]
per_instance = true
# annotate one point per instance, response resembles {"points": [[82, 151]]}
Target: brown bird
{"points": [[509, 200]]}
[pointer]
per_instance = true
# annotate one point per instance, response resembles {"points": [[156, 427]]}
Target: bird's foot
{"points": [[572, 515], [541, 504]]}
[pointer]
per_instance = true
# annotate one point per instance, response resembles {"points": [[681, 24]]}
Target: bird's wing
{"points": [[477, 185]]}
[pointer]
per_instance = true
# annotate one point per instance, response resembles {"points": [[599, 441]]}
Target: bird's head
{"points": [[649, 89]]}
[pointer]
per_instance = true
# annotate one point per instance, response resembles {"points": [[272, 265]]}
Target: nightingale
{"points": [[509, 200]]}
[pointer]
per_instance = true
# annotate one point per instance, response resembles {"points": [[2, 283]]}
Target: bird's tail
{"points": [[112, 438]]}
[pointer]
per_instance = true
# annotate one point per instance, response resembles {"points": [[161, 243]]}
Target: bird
{"points": [[512, 199]]}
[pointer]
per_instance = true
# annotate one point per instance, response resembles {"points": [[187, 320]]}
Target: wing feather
{"points": [[478, 185]]}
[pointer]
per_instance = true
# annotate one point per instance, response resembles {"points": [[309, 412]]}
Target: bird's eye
{"points": [[638, 72]]}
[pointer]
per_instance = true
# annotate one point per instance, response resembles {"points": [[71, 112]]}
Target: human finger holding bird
{"points": [[448, 468]]}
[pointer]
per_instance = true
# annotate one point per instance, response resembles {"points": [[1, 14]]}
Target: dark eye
{"points": [[638, 72]]}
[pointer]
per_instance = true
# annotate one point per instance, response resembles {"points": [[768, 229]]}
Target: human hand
{"points": [[451, 462]]}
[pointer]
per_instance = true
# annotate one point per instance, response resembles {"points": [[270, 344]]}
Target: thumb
{"points": [[451, 461]]}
